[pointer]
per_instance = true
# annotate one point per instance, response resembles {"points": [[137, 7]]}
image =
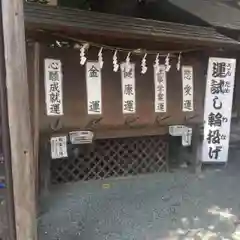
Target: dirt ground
{"points": [[176, 205]]}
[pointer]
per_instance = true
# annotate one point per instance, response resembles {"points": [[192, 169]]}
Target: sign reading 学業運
{"points": [[218, 109], [128, 88], [94, 88], [53, 87], [160, 85]]}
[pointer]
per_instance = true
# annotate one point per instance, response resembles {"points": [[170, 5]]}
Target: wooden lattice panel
{"points": [[111, 158]]}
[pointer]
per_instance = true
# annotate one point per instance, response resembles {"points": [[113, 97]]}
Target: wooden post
{"points": [[36, 79], [5, 138], [19, 119], [196, 150]]}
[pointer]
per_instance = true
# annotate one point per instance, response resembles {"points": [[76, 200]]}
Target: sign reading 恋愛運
{"points": [[187, 89], [160, 85], [53, 87], [218, 109], [128, 88], [94, 88]]}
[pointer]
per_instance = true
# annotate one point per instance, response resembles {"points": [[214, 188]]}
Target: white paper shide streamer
{"points": [[94, 88], [100, 58], [144, 65], [157, 64], [179, 62], [83, 58], [115, 62], [127, 63], [167, 63]]}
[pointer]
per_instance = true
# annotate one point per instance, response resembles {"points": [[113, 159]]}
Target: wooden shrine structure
{"points": [[33, 33]]}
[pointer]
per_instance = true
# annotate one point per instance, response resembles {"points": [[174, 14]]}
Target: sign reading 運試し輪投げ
{"points": [[218, 109]]}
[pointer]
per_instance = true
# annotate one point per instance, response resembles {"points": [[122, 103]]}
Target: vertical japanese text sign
{"points": [[128, 88], [59, 147], [187, 88], [53, 87], [94, 88], [160, 84], [218, 109]]}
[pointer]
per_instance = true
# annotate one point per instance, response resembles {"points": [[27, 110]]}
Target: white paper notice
{"points": [[128, 89], [182, 131], [187, 137], [176, 130], [94, 88], [187, 88], [160, 84], [218, 109], [59, 147], [53, 87]]}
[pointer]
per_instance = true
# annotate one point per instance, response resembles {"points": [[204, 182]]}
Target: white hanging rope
{"points": [[136, 51], [85, 45]]}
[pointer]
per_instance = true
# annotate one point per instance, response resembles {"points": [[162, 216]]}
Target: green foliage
{"points": [[39, 1], [82, 4]]}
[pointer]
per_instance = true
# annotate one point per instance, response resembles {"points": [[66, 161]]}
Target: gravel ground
{"points": [[3, 215], [177, 205]]}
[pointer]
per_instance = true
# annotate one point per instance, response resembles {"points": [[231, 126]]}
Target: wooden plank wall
{"points": [[113, 122]]}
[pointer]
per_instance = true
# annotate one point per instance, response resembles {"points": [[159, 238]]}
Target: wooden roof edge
{"points": [[74, 20]]}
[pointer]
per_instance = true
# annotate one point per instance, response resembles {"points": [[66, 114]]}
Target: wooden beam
{"points": [[19, 119]]}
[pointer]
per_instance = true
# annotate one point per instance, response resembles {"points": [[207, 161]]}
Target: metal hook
{"points": [[160, 119]]}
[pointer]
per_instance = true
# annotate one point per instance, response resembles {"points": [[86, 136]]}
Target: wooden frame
{"points": [[19, 120]]}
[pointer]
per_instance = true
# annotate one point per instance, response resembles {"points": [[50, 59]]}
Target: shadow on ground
{"points": [[177, 205]]}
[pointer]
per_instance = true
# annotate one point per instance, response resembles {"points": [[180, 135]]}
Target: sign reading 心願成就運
{"points": [[53, 87]]}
